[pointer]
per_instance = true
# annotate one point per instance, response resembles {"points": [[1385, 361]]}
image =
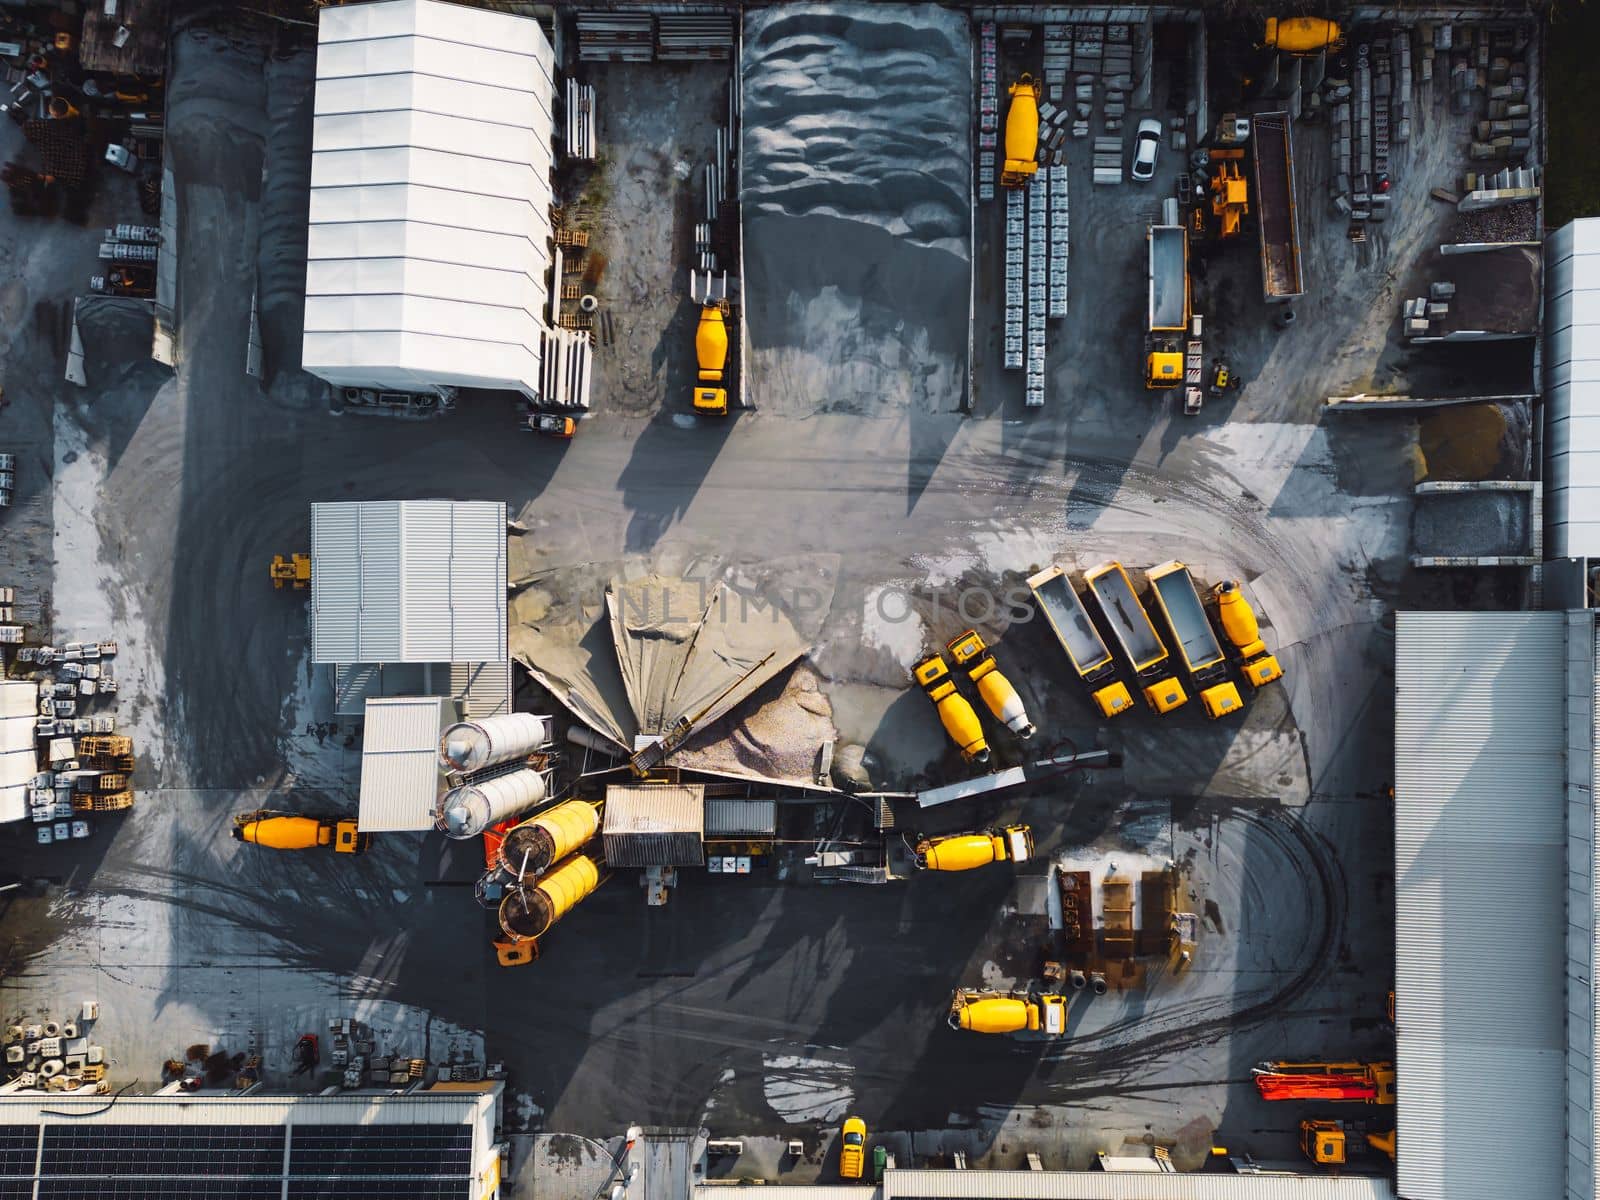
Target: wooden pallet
{"points": [[1117, 908]]}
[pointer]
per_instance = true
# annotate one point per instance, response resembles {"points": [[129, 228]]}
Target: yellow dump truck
{"points": [[1063, 611], [1178, 601], [994, 689], [997, 1012], [1136, 633], [956, 713], [1302, 36], [290, 831], [1022, 134], [711, 353], [1167, 321], [966, 851], [1239, 625]]}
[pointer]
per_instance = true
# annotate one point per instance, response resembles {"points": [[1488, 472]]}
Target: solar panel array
{"points": [[235, 1162]]}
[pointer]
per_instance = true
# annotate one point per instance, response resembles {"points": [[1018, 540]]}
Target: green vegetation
{"points": [[1572, 97]]}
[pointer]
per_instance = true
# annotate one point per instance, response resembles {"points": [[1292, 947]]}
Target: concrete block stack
{"points": [[1421, 315], [1057, 61], [988, 109], [1108, 160], [1014, 288], [56, 1055], [1506, 130], [1038, 287], [1058, 242]]}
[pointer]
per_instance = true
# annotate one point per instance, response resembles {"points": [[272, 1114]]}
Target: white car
{"points": [[1145, 145]]}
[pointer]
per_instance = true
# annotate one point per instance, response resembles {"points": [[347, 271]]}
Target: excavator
{"points": [[292, 831], [711, 352], [294, 571], [1241, 628], [956, 713], [966, 851]]}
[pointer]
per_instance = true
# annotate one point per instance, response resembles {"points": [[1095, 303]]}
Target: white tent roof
{"points": [[418, 581], [19, 758], [430, 198]]}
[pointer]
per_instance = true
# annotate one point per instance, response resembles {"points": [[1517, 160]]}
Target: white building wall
{"points": [[1572, 390]]}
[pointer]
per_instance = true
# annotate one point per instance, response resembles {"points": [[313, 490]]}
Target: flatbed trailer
{"points": [[1136, 634], [1276, 214], [1193, 640], [1062, 608]]}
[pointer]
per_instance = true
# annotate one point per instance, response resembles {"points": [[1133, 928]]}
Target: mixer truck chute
{"points": [[1239, 626], [956, 713], [994, 689], [1086, 650], [994, 1012], [1022, 134], [1167, 312], [1178, 600], [1136, 633], [290, 831], [966, 851]]}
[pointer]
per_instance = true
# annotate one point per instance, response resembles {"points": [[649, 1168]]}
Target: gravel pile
{"points": [[1471, 524], [1513, 223]]}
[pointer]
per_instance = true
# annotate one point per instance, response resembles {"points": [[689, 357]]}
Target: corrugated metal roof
{"points": [[484, 689], [429, 226], [725, 817], [1572, 389], [660, 824], [400, 780], [350, 1108], [418, 581], [1124, 1185], [1480, 866], [796, 1191], [19, 748]]}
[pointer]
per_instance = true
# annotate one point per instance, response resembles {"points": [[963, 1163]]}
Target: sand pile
{"points": [[856, 169]]}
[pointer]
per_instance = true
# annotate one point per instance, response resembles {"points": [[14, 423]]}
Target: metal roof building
{"points": [[1494, 899], [19, 754], [400, 778], [433, 1144], [430, 232], [1572, 390], [903, 1183], [655, 825]]}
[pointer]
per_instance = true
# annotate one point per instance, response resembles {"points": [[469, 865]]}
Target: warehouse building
{"points": [[438, 1143], [1572, 393], [430, 241], [19, 756], [901, 1183], [1495, 904]]}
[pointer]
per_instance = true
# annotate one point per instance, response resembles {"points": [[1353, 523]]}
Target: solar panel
{"points": [[380, 1189], [16, 1189], [19, 1147], [232, 1150], [380, 1150], [126, 1188]]}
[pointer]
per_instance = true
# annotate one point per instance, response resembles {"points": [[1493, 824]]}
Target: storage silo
{"points": [[468, 810], [469, 746]]}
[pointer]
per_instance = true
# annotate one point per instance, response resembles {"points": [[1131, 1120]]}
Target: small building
{"points": [[430, 244], [400, 778], [408, 598], [433, 1142], [655, 825], [19, 747], [1572, 391], [1497, 889]]}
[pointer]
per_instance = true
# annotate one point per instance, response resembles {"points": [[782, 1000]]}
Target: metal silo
{"points": [[469, 746], [528, 912], [548, 837], [468, 810]]}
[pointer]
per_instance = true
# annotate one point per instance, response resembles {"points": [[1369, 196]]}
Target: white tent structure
{"points": [[430, 237]]}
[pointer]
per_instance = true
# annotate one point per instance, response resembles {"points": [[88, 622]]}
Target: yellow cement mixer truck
{"points": [[967, 851], [711, 353], [994, 689], [997, 1012], [956, 713], [1239, 625], [1302, 36], [1022, 134], [291, 831]]}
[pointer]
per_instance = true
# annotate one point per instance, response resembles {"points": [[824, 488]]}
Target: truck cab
{"points": [[852, 1148]]}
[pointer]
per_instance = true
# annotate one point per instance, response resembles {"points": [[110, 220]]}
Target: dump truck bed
{"points": [[1127, 617], [1063, 610], [1275, 207], [1180, 601], [1168, 278]]}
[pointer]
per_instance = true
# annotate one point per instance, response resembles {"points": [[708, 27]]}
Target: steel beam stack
{"points": [[582, 141], [1058, 241], [988, 109], [616, 37], [1038, 287], [1014, 291], [694, 37]]}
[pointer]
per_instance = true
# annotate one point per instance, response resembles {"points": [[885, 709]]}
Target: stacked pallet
{"points": [[1057, 60], [988, 109], [1058, 241], [1108, 160], [1014, 287], [1038, 287]]}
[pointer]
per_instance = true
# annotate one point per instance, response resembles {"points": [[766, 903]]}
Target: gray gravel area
{"points": [[1472, 524]]}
